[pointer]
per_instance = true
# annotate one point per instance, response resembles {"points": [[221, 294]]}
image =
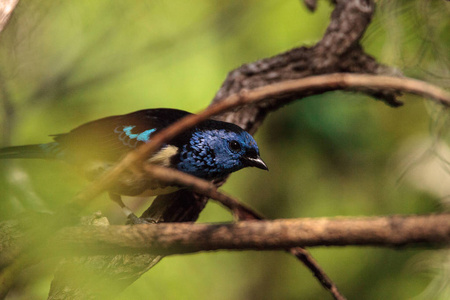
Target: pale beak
{"points": [[256, 162]]}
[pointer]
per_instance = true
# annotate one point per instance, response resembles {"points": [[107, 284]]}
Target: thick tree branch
{"points": [[178, 238]]}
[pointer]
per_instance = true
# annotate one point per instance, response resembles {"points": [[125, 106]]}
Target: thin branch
{"points": [[179, 238], [322, 83], [309, 261], [6, 9], [201, 186], [241, 212]]}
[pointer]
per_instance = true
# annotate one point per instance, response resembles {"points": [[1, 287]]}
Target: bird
{"points": [[210, 150]]}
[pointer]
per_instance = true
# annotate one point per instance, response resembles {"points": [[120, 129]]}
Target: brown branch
{"points": [[178, 238], [200, 186]]}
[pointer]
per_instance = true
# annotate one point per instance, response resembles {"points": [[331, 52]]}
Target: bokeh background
{"points": [[63, 63]]}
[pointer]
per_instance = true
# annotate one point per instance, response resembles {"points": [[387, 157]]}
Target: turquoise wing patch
{"points": [[131, 139]]}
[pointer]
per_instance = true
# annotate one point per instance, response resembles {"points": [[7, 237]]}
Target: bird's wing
{"points": [[110, 138]]}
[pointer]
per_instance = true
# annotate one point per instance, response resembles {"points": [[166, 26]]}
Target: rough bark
{"points": [[180, 238]]}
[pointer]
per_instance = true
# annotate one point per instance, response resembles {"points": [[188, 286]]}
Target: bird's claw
{"points": [[135, 220]]}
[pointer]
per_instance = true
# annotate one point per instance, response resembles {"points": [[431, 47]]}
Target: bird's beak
{"points": [[256, 162]]}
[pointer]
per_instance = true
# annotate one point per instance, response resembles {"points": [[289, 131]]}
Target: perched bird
{"points": [[210, 150]]}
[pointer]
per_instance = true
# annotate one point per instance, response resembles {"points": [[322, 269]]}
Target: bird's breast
{"points": [[164, 156]]}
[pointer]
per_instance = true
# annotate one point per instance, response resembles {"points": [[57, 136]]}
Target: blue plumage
{"points": [[210, 153], [210, 150]]}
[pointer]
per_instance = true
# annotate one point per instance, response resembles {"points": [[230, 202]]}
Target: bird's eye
{"points": [[234, 146]]}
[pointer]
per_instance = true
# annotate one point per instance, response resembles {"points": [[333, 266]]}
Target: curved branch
{"points": [[279, 91], [283, 92]]}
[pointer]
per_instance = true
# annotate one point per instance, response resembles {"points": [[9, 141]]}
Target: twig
{"points": [[309, 261], [201, 186]]}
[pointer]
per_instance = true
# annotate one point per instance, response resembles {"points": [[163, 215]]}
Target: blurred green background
{"points": [[338, 154]]}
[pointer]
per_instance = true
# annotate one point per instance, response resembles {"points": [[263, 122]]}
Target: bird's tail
{"points": [[50, 150]]}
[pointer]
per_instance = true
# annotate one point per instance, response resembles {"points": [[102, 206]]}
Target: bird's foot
{"points": [[134, 220]]}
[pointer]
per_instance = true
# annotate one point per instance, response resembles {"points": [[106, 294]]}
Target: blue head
{"points": [[214, 153]]}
